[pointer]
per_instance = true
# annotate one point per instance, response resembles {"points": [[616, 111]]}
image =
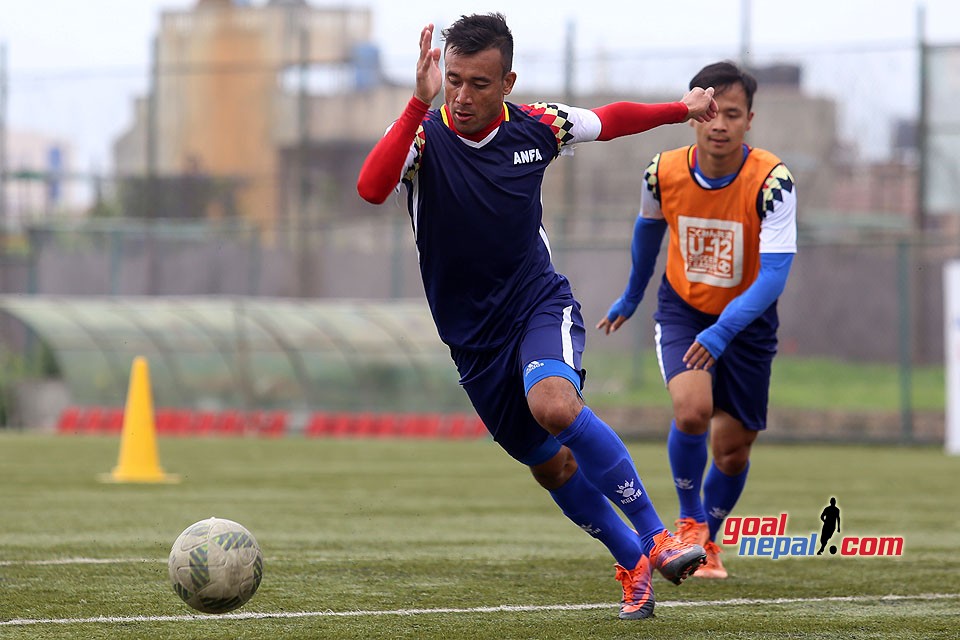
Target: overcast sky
{"points": [[103, 45], [91, 33]]}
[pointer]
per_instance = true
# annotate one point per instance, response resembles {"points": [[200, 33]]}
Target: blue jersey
{"points": [[477, 218]]}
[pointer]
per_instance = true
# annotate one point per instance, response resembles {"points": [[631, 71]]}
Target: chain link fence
{"points": [[862, 312]]}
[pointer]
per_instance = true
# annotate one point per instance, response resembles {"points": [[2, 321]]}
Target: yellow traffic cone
{"points": [[138, 460]]}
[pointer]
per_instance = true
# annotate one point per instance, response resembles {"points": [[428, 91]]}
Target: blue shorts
{"points": [[549, 344], [741, 377]]}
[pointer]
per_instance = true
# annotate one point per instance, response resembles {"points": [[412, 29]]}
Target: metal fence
{"points": [[866, 286], [875, 303], [828, 110]]}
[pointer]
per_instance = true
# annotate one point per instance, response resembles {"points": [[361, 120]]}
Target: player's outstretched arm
{"points": [[620, 119], [701, 105]]}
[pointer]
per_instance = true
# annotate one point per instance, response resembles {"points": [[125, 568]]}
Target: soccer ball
{"points": [[215, 565]]}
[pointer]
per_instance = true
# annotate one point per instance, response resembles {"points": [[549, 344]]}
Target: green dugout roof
{"points": [[242, 352]]}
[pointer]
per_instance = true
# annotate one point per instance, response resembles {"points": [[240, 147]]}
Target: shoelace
{"points": [[628, 579], [685, 526], [670, 543]]}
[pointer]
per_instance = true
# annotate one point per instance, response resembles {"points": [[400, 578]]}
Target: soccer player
{"points": [[731, 213], [473, 170]]}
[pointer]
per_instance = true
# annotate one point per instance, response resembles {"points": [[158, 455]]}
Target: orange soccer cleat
{"points": [[692, 532], [675, 559], [638, 600], [713, 567]]}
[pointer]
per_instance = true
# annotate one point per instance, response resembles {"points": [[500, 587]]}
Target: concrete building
{"points": [[230, 93], [278, 104]]}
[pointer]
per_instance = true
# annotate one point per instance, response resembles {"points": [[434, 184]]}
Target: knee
{"points": [[554, 404], [555, 472], [732, 461], [555, 417], [693, 418]]}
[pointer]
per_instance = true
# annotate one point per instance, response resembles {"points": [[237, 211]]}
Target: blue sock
{"points": [[688, 459], [606, 464], [591, 511], [720, 495]]}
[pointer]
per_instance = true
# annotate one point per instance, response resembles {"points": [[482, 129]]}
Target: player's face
{"points": [[721, 139], [474, 88]]}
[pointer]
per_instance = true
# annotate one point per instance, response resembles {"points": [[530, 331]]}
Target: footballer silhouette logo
{"points": [[830, 517]]}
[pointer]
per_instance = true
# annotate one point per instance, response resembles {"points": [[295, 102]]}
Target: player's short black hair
{"points": [[479, 32], [722, 75]]}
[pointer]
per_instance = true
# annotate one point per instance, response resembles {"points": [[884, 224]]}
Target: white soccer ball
{"points": [[215, 565]]}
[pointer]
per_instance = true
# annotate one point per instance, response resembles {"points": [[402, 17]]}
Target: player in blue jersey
{"points": [[473, 170], [731, 214]]}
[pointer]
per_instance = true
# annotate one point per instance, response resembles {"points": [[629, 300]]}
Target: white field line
{"points": [[63, 561], [734, 602]]}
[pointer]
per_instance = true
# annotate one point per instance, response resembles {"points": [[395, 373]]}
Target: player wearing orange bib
{"points": [[731, 214]]}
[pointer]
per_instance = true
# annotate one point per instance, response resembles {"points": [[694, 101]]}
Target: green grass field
{"points": [[633, 379], [430, 539]]}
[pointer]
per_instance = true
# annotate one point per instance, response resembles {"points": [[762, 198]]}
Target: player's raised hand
{"points": [[429, 80], [700, 104]]}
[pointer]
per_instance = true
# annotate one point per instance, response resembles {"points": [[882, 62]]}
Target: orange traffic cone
{"points": [[138, 460]]}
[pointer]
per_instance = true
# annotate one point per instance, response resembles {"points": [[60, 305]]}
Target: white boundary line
{"points": [[734, 602], [63, 561]]}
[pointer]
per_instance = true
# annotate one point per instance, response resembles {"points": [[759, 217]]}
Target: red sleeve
{"points": [[626, 118], [381, 170]]}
